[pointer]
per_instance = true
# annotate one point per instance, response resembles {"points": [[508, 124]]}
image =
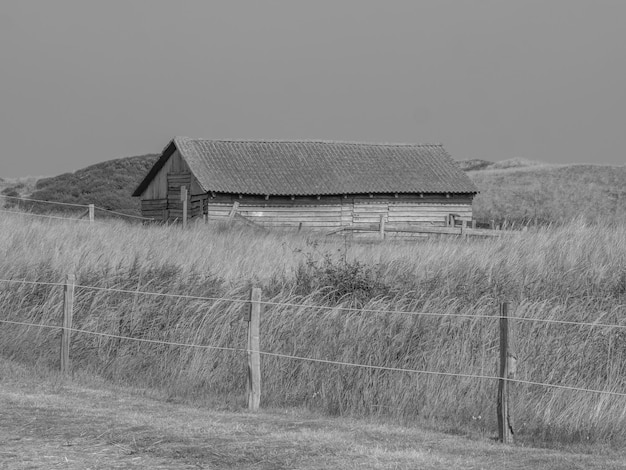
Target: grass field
{"points": [[575, 272]]}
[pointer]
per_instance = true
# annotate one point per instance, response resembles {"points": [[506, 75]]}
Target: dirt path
{"points": [[48, 424]]}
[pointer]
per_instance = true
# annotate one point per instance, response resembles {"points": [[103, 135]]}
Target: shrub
{"points": [[339, 280]]}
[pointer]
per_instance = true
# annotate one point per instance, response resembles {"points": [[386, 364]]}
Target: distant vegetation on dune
{"points": [[107, 185], [17, 187], [523, 192]]}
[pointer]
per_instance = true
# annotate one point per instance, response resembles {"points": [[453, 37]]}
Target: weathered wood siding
{"points": [[157, 189], [161, 199], [154, 208], [338, 211]]}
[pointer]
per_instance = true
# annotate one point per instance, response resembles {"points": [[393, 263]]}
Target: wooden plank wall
{"points": [[320, 217], [345, 212], [364, 212], [158, 187], [196, 203], [154, 208], [323, 213], [432, 213], [175, 180]]}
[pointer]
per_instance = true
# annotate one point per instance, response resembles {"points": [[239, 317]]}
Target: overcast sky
{"points": [[84, 81]]}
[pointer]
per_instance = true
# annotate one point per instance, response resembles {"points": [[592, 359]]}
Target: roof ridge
{"points": [[313, 141]]}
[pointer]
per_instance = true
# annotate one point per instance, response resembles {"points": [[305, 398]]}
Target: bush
{"points": [[340, 280]]}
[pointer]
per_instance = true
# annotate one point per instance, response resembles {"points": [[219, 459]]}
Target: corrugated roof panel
{"points": [[318, 167]]}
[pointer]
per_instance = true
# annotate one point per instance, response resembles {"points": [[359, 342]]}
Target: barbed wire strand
{"points": [[435, 314], [108, 335], [32, 214], [162, 294], [45, 202], [86, 206], [325, 307], [35, 325], [372, 310], [24, 281], [354, 309], [447, 374], [327, 361], [127, 291]]}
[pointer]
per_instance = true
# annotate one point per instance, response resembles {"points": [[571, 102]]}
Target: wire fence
{"points": [[343, 309], [318, 360], [67, 204], [121, 214], [47, 216], [42, 201], [312, 359]]}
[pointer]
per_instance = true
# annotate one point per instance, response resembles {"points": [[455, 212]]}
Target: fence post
{"points": [[92, 213], [68, 308], [382, 226], [253, 385], [183, 197], [233, 210], [507, 371]]}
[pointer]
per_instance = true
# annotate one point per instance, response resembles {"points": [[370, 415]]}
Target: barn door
{"points": [[174, 182]]}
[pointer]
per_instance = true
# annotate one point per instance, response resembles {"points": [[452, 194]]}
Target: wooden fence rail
{"points": [[382, 229]]}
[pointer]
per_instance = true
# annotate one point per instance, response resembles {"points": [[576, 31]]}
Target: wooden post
{"points": [[183, 197], [92, 213], [254, 357], [507, 371], [382, 226], [233, 210], [68, 308], [473, 223]]}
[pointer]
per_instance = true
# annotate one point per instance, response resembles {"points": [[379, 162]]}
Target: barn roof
{"points": [[315, 167]]}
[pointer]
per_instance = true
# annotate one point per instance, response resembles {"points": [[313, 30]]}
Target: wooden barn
{"points": [[309, 184]]}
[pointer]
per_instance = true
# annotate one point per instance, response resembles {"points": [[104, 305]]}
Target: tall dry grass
{"points": [[574, 273]]}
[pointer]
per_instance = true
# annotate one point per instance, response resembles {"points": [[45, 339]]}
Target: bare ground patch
{"points": [[46, 422]]}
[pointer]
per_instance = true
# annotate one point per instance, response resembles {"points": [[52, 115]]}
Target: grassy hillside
{"points": [[571, 273], [108, 185], [523, 192]]}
